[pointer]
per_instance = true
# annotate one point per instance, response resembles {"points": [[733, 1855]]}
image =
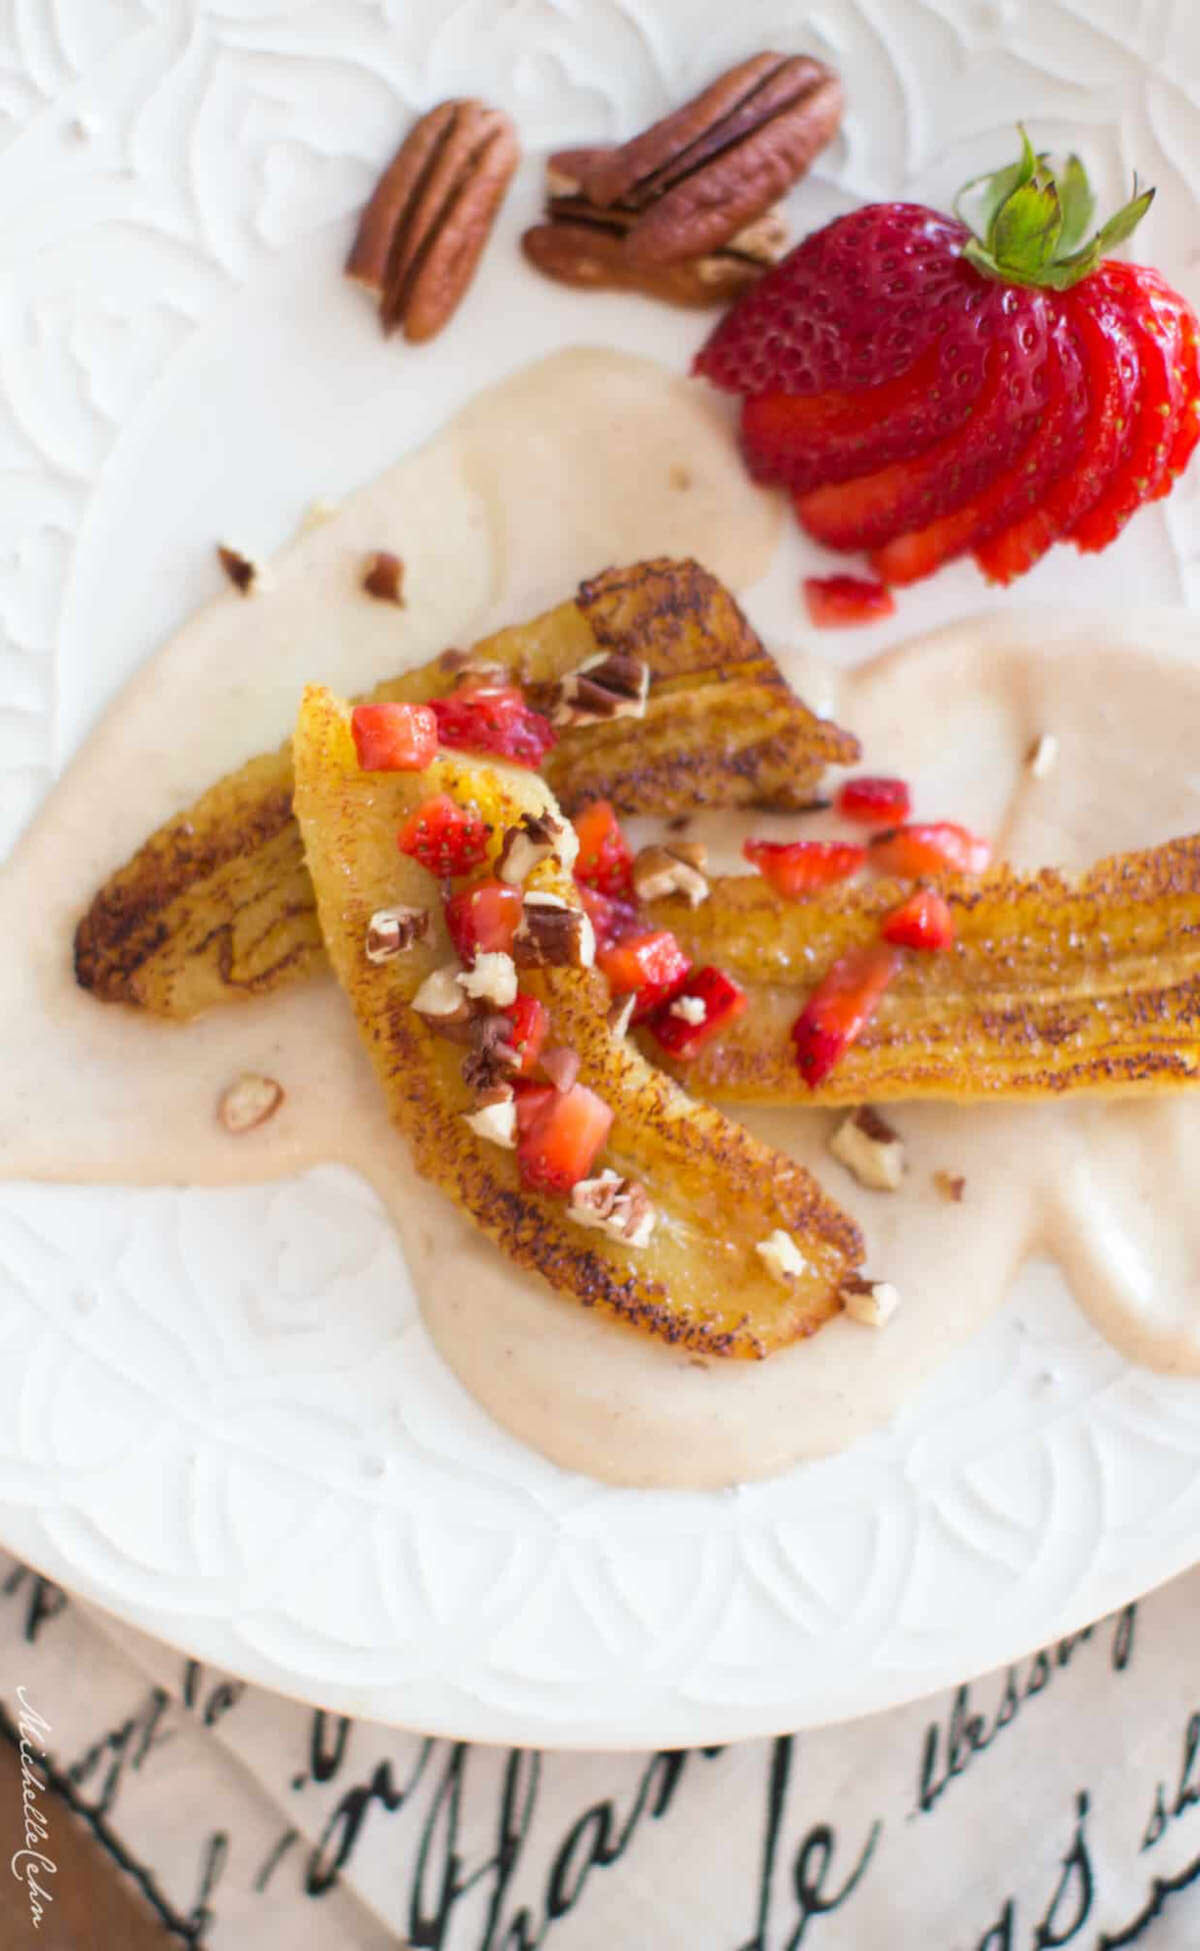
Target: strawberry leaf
{"points": [[979, 201], [1125, 222], [1078, 205], [1030, 220], [1024, 235]]}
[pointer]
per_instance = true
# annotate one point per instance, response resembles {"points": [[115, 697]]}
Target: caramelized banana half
{"points": [[218, 906], [1052, 984], [716, 1192]]}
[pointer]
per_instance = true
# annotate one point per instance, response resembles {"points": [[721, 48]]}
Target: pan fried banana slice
{"points": [[717, 1192], [217, 905], [1052, 985]]}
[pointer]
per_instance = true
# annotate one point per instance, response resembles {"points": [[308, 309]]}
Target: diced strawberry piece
{"points": [[561, 1144], [653, 960], [1053, 446], [841, 602], [923, 921], [605, 858], [494, 719], [1112, 370], [446, 838], [722, 1001], [1155, 315], [840, 1008], [394, 737], [611, 919], [803, 441], [936, 847], [873, 509], [799, 867], [873, 801], [483, 919], [530, 1021], [531, 1101]]}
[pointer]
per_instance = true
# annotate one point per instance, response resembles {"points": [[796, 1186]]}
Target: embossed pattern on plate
{"points": [[293, 1486]]}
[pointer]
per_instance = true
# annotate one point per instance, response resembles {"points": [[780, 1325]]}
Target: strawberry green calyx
{"points": [[1028, 222]]}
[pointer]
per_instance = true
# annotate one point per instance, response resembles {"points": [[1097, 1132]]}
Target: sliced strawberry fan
{"points": [[874, 508], [1113, 374], [928, 388], [1052, 449], [1155, 315]]}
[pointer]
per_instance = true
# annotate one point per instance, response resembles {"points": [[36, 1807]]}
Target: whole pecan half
{"points": [[695, 179], [593, 256], [423, 231]]}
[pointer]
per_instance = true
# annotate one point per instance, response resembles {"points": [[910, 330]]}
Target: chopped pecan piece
{"points": [[392, 931], [873, 1302], [617, 1206], [248, 1102], [951, 1185], [552, 935], [247, 576], [490, 1059], [383, 577], [440, 997], [492, 978], [425, 227], [868, 1147], [688, 203], [497, 1121], [781, 1256], [612, 685], [525, 846], [678, 869]]}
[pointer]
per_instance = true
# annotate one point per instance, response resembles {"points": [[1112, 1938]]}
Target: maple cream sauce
{"points": [[588, 459]]}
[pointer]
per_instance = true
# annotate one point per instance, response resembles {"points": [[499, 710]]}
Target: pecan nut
{"points": [[595, 259], [685, 210], [423, 231]]}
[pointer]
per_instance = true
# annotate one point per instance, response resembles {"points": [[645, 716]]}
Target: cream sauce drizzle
{"points": [[571, 466]]}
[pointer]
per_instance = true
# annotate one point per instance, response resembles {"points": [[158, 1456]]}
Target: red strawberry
{"points": [[799, 867], [1188, 432], [446, 838], [605, 858], [650, 965], [1156, 317], [923, 921], [562, 1140], [530, 1021], [611, 919], [853, 306], [706, 1003], [894, 374], [841, 602], [801, 440], [1112, 373], [873, 801], [493, 719], [869, 511], [483, 919], [937, 847], [531, 1101], [394, 737], [1053, 447], [840, 1008]]}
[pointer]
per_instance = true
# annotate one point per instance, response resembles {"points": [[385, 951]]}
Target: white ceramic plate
{"points": [[296, 1488]]}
